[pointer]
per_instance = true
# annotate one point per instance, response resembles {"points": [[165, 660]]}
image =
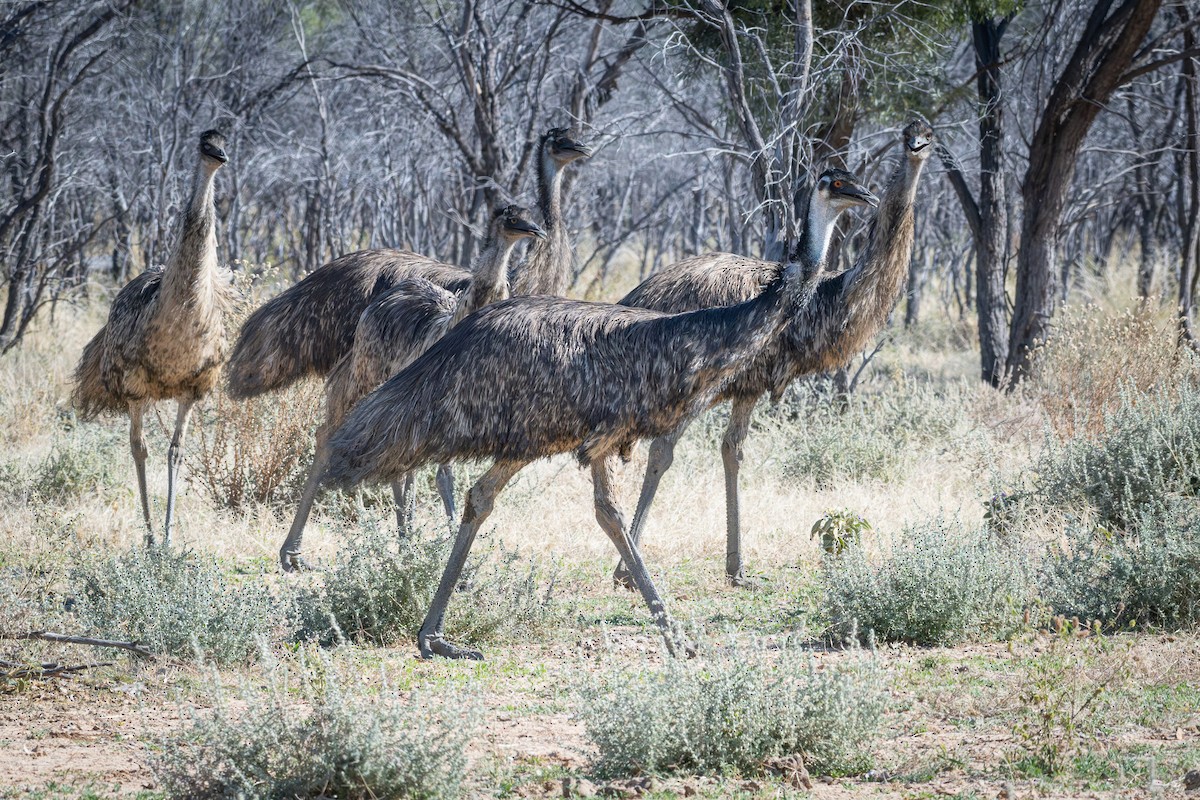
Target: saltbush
{"points": [[1147, 453], [1148, 575], [731, 711], [319, 739], [939, 585], [380, 587], [175, 602], [82, 460]]}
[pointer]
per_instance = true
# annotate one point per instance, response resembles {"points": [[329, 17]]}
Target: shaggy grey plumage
{"points": [[392, 332], [847, 311], [548, 266], [165, 334], [560, 376], [307, 328]]}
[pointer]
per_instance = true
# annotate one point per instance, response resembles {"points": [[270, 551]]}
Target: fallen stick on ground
{"points": [[50, 636], [13, 669]]}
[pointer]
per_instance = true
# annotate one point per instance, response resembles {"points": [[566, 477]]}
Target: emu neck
{"points": [[191, 269], [814, 240], [549, 260], [489, 278]]}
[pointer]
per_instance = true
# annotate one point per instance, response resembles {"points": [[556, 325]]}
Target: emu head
{"points": [[563, 146], [512, 223], [918, 136], [212, 149], [843, 190]]}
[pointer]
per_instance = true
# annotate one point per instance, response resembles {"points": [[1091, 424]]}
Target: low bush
{"points": [[1148, 453], [1149, 575], [732, 711], [319, 739], [380, 586], [938, 585], [175, 602], [871, 436], [81, 460]]}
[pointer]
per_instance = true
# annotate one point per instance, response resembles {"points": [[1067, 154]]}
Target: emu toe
{"points": [[438, 646]]}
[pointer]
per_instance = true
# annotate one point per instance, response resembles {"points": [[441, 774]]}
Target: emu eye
{"points": [[837, 184]]}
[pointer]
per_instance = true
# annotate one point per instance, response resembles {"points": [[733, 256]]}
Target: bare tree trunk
{"points": [[1098, 65], [1191, 239]]}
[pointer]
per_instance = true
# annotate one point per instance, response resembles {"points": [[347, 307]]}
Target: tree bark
{"points": [[1097, 66]]}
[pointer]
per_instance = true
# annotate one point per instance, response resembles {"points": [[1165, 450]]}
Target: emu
{"points": [[165, 334], [391, 333], [846, 312], [307, 328], [564, 375]]}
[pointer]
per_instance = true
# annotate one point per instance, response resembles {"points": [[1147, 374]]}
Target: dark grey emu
{"points": [[392, 331], [307, 329], [165, 335], [847, 311], [533, 377]]}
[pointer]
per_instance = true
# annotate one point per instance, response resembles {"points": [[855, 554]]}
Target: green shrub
{"points": [[731, 711], [380, 588], [1148, 452], [1149, 575], [939, 585], [80, 461], [175, 602], [871, 436], [321, 739]]}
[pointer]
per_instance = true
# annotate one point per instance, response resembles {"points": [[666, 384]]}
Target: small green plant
{"points": [[839, 530], [1148, 576], [80, 461], [174, 602], [939, 585], [1063, 692], [731, 711], [1002, 511], [380, 587], [319, 737]]}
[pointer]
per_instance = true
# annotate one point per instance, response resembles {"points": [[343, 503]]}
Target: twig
{"points": [[12, 669], [49, 636]]}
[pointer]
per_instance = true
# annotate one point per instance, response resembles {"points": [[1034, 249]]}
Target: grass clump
{"points": [[731, 711], [939, 585], [1148, 576], [83, 460], [176, 603], [380, 587], [869, 436], [318, 737], [1148, 453]]}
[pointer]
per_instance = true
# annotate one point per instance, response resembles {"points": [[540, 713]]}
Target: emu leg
{"points": [[402, 490], [731, 455], [613, 522], [445, 487], [174, 454], [289, 554], [137, 445], [662, 453], [480, 501]]}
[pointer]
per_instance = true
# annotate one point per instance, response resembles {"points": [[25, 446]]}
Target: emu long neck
{"points": [[547, 267], [814, 240], [883, 266], [191, 269], [489, 279]]}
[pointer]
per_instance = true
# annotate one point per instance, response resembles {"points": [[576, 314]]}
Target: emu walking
{"points": [[165, 334], [307, 328], [846, 312], [561, 376], [391, 333]]}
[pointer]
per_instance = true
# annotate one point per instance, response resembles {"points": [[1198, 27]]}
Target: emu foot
{"points": [[292, 561], [623, 578], [437, 645]]}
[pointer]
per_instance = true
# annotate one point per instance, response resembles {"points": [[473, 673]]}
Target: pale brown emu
{"points": [[392, 331], [847, 311], [532, 377], [547, 268], [165, 334]]}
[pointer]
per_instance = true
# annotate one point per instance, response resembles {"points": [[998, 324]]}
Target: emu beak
{"points": [[525, 226], [918, 143], [862, 193], [212, 151], [572, 146]]}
